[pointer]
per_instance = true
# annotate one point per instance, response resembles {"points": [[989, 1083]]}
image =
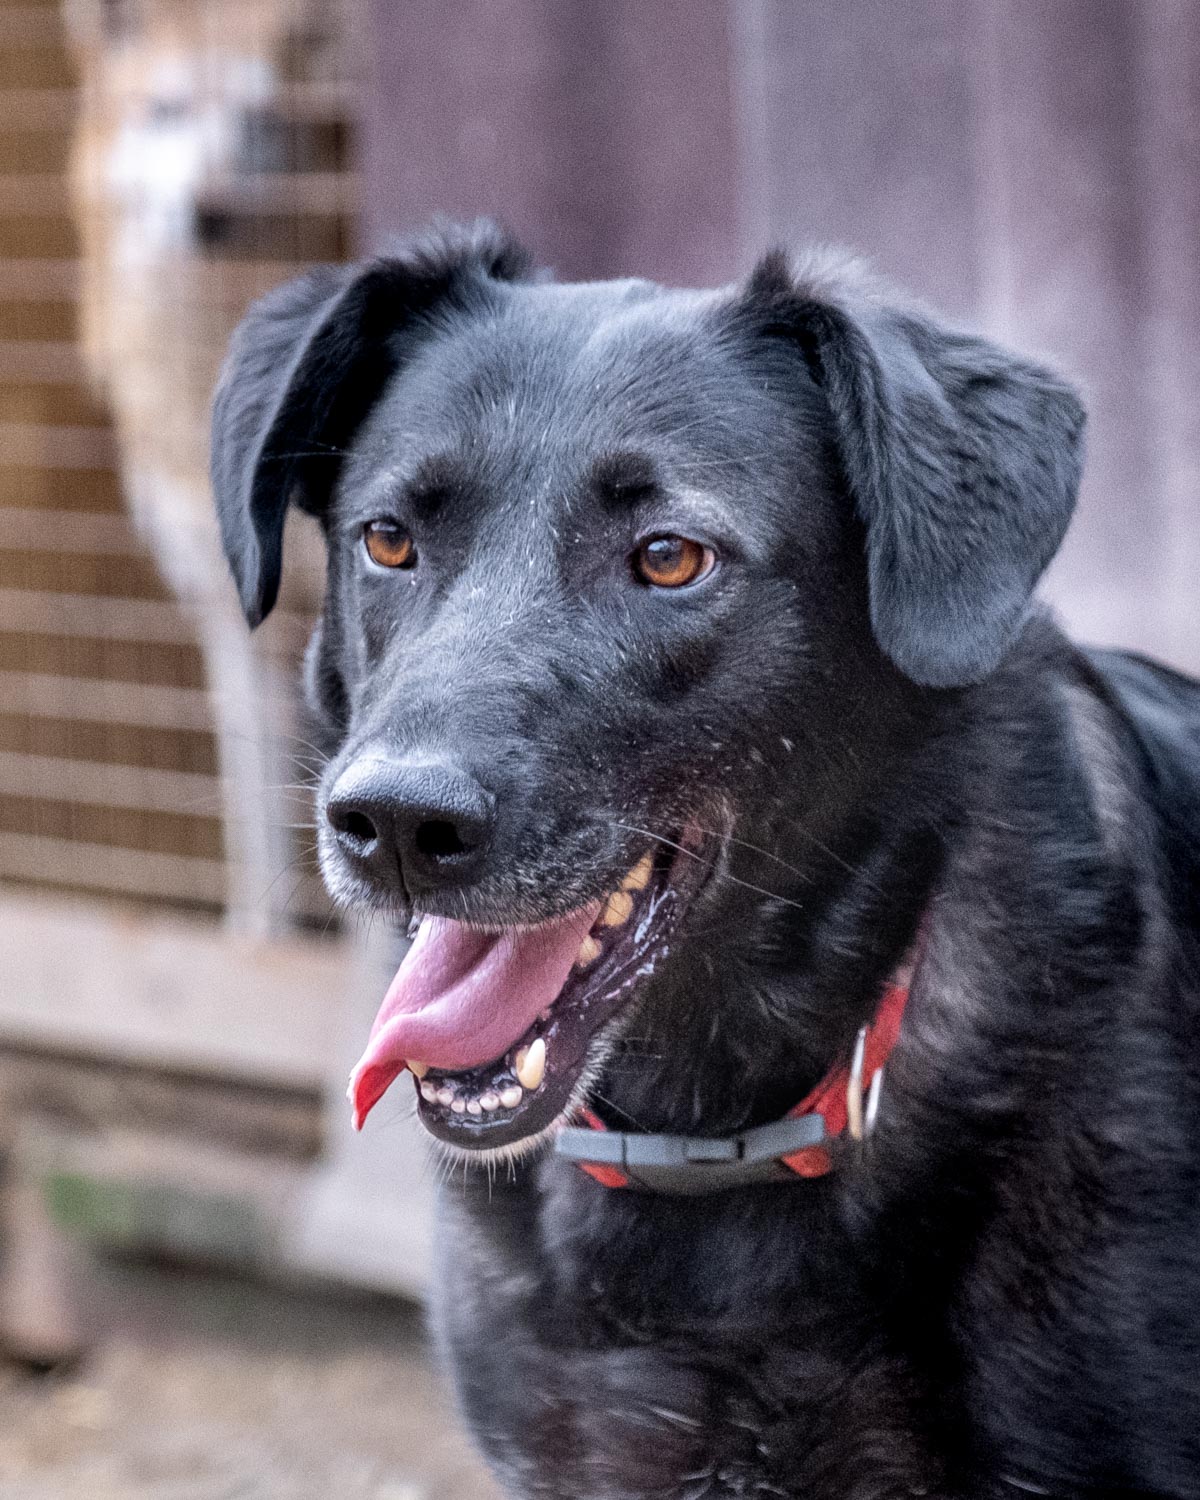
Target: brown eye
{"points": [[389, 545], [672, 562]]}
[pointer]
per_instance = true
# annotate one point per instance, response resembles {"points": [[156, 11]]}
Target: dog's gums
{"points": [[535, 1081]]}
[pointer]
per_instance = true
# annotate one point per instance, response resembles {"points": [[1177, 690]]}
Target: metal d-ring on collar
{"points": [[860, 1121]]}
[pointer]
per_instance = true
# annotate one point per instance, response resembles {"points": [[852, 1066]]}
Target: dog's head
{"points": [[184, 105], [612, 569]]}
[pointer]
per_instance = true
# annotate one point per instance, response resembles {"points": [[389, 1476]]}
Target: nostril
{"points": [[438, 839], [360, 827], [353, 824]]}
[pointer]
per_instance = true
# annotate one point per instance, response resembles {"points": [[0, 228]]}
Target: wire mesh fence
{"points": [[162, 162]]}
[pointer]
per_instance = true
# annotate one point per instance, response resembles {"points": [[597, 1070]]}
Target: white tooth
{"points": [[417, 1069], [511, 1096], [474, 1107], [589, 951], [459, 1106], [639, 876], [429, 1092], [445, 1096], [490, 1101], [617, 909], [530, 1065]]}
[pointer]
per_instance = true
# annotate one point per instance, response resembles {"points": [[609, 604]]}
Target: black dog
{"points": [[681, 676]]}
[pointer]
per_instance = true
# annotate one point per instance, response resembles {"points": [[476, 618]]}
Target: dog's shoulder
{"points": [[1160, 709]]}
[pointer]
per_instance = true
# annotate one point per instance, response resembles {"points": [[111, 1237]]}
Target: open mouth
{"points": [[500, 1028]]}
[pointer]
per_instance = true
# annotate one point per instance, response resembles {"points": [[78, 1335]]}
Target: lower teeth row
{"points": [[460, 1104], [529, 1065]]}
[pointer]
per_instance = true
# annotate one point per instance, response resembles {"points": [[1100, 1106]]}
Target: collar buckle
{"points": [[688, 1166]]}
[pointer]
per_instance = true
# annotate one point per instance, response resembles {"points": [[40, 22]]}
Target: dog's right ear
{"points": [[305, 367]]}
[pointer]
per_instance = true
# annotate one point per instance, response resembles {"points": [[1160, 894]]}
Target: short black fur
{"points": [[999, 1296]]}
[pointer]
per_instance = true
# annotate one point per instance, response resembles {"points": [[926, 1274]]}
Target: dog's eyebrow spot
{"points": [[624, 477], [434, 482]]}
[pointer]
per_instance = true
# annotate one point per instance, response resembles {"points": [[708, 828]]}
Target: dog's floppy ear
{"points": [[963, 461], [303, 370]]}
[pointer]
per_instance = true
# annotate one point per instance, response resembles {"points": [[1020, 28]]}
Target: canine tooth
{"points": [[445, 1095], [511, 1096], [490, 1101], [639, 876], [429, 1092], [530, 1066], [589, 951], [474, 1107], [417, 1069], [620, 904], [459, 1106]]}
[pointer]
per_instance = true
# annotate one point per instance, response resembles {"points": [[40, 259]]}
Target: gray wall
{"points": [[602, 131], [1030, 165]]}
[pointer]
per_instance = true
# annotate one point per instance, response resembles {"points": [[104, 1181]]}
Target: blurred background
{"points": [[207, 1287]]}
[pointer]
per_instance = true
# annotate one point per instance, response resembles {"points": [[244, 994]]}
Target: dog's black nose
{"points": [[411, 826]]}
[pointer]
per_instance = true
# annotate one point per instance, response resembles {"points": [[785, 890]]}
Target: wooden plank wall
{"points": [[107, 760]]}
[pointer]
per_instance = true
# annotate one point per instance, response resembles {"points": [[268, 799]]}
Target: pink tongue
{"points": [[462, 997]]}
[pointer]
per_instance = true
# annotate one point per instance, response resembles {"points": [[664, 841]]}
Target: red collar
{"points": [[844, 1102]]}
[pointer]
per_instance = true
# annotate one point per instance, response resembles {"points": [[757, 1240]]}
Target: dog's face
{"points": [[182, 103], [611, 568], [566, 557]]}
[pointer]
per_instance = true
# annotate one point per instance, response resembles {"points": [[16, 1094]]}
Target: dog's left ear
{"points": [[305, 367], [963, 461]]}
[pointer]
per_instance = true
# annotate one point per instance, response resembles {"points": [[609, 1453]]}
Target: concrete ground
{"points": [[200, 1387]]}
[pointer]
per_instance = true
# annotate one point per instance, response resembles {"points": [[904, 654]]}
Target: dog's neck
{"points": [[768, 991]]}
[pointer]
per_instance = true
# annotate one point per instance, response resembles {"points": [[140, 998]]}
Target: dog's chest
{"points": [[617, 1421], [608, 1359]]}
